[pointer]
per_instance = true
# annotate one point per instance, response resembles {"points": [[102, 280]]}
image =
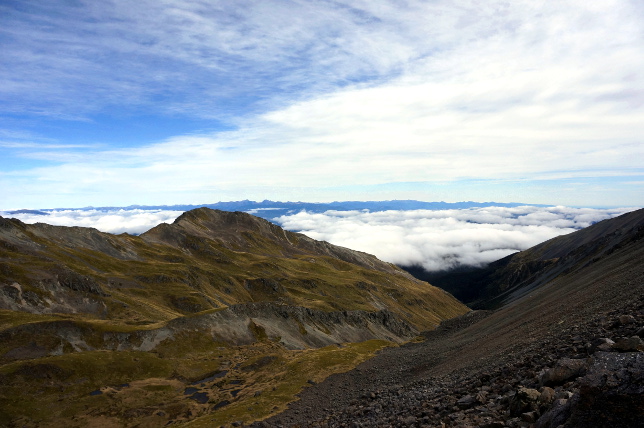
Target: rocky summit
{"points": [[224, 319]]}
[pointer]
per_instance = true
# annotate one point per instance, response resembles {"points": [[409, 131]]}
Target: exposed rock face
{"points": [[243, 324], [612, 393]]}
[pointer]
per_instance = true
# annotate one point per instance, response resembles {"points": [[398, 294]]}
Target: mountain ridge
{"points": [[225, 299], [567, 352]]}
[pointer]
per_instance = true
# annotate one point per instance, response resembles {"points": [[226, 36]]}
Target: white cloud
{"points": [[439, 240], [360, 93], [111, 221], [435, 240]]}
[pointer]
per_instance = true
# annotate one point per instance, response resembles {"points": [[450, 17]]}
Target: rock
{"points": [[626, 319], [525, 400], [493, 425], [566, 369], [612, 392], [601, 344], [640, 332], [565, 395], [466, 402], [547, 395], [557, 415], [409, 420], [529, 417], [629, 344]]}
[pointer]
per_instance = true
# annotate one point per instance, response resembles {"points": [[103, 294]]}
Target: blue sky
{"points": [[164, 102]]}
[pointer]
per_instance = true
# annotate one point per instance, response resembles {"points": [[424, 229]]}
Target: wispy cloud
{"points": [[32, 145], [230, 50], [326, 94]]}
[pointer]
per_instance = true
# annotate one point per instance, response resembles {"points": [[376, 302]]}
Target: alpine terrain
{"points": [[218, 317], [224, 319], [563, 348]]}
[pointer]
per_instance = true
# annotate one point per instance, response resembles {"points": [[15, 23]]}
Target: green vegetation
{"points": [[86, 294]]}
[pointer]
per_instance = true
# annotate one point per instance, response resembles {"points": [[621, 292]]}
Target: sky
{"points": [[172, 102], [435, 240]]}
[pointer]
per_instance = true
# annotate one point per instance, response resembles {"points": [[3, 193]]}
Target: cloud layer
{"points": [[441, 240], [435, 240], [111, 221]]}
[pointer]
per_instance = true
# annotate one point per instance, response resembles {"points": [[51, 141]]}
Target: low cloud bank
{"points": [[113, 221], [442, 240], [435, 240]]}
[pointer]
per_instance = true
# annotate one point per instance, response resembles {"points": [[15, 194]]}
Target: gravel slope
{"points": [[486, 358]]}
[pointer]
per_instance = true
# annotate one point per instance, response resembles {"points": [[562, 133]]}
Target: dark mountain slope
{"points": [[513, 276]]}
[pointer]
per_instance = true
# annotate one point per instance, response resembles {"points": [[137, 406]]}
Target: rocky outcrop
{"points": [[243, 324], [76, 294], [612, 393]]}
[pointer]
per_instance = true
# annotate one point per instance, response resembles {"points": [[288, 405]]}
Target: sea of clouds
{"points": [[435, 240], [117, 221], [442, 240]]}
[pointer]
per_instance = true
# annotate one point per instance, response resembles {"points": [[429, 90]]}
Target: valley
{"points": [[224, 319]]}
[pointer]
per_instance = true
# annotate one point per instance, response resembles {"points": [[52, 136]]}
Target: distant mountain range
{"points": [[271, 209]]}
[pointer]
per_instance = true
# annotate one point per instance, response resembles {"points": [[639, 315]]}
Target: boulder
{"points": [[566, 369], [547, 395], [626, 319], [611, 393], [601, 344], [525, 400], [629, 344], [466, 402], [556, 415]]}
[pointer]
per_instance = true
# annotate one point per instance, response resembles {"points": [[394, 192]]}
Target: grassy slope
{"points": [[145, 284]]}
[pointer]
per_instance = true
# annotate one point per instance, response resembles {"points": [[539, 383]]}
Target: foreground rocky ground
{"points": [[569, 353], [589, 374]]}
